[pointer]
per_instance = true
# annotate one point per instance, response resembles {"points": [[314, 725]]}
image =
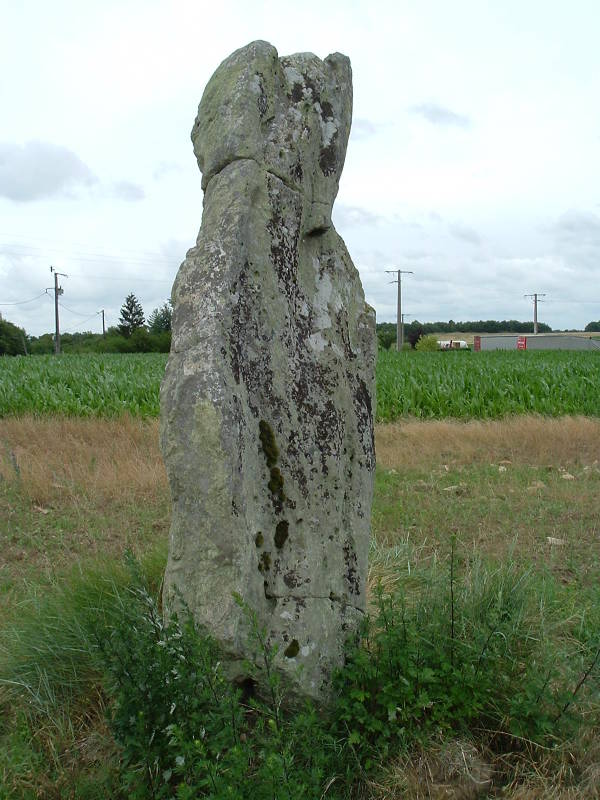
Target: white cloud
{"points": [[126, 190], [465, 233], [40, 169], [347, 216], [164, 168], [438, 115], [362, 129]]}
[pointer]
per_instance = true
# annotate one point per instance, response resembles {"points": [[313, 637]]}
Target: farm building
{"points": [[539, 341]]}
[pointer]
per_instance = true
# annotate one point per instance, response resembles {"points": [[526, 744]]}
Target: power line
{"points": [[95, 314], [112, 278], [22, 302], [71, 244], [88, 258], [77, 313]]}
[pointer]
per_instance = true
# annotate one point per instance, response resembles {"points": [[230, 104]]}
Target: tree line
{"points": [[133, 334], [413, 331], [136, 334]]}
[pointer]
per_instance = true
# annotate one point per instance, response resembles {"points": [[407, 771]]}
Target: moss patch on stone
{"points": [[281, 533], [267, 440], [264, 562], [292, 649], [276, 482]]}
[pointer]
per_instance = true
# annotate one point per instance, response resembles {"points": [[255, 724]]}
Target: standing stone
{"points": [[268, 397]]}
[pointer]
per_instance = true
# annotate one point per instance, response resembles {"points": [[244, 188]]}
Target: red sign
{"points": [[522, 343], [477, 343]]}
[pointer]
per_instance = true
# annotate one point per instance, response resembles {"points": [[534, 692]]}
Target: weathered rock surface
{"points": [[267, 400]]}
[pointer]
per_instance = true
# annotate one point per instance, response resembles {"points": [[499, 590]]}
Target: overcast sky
{"points": [[474, 158]]}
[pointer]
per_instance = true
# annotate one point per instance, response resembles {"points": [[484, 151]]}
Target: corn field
{"points": [[423, 385], [487, 385], [82, 385]]}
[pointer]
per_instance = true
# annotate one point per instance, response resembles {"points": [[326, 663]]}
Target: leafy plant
{"points": [[457, 647], [462, 653], [427, 344], [185, 730]]}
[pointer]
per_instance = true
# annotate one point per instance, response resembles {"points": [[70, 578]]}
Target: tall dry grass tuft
{"points": [[527, 439], [94, 459], [453, 770], [468, 770]]}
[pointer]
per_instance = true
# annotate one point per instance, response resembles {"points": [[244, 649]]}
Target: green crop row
{"points": [[487, 385], [82, 385], [427, 385]]}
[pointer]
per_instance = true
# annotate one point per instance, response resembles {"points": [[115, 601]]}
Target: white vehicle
{"points": [[453, 344]]}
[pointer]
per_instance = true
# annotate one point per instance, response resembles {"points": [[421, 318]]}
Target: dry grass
{"points": [[110, 459], [450, 771], [462, 770], [526, 439], [78, 487], [67, 459], [74, 489]]}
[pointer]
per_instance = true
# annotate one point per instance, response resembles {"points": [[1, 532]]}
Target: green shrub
{"points": [[184, 729], [488, 651], [427, 344]]}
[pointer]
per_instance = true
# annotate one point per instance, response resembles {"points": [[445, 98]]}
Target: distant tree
{"points": [[592, 327], [41, 345], [386, 334], [159, 320], [12, 339], [413, 332], [132, 316]]}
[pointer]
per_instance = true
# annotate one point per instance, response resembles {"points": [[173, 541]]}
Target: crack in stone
{"points": [[282, 178], [303, 597]]}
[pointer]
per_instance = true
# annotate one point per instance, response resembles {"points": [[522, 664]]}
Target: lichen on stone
{"points": [[276, 482]]}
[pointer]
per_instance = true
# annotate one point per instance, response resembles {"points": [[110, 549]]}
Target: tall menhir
{"points": [[268, 397]]}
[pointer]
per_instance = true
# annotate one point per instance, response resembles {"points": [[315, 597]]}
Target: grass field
{"points": [[424, 385], [471, 487], [523, 491]]}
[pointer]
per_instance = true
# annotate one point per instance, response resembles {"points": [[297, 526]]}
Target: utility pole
{"points": [[535, 296], [103, 328], [399, 325], [57, 291]]}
